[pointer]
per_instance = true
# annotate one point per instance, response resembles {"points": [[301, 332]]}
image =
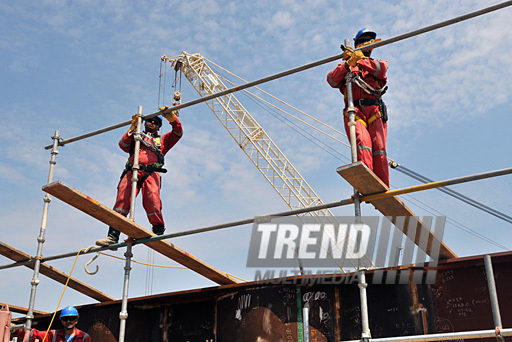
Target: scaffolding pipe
{"points": [[135, 167], [493, 294], [442, 336], [305, 324], [365, 326], [348, 201], [352, 130], [41, 238], [123, 315], [298, 69]]}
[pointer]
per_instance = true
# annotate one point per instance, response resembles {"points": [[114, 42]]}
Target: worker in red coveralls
{"points": [[153, 148], [69, 320], [370, 115]]}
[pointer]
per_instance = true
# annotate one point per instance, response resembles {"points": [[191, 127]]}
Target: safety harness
{"points": [[155, 146], [383, 113]]}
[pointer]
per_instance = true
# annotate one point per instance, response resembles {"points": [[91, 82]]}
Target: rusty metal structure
{"points": [[457, 304]]}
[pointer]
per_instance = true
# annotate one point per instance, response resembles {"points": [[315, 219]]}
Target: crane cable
{"points": [[395, 165], [398, 167]]}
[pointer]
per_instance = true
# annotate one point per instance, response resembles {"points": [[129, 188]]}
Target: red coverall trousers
{"points": [[150, 196], [371, 141]]}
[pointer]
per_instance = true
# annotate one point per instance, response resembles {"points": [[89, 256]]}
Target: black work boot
{"points": [[112, 237], [158, 229]]}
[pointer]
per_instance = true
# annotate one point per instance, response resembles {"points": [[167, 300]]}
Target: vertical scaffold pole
{"points": [[493, 294], [123, 315], [40, 240], [305, 318], [365, 335], [135, 168], [352, 130]]}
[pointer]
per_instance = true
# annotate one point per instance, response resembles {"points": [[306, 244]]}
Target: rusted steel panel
{"points": [[458, 301], [273, 313]]}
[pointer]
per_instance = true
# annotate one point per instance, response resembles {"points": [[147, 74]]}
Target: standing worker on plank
{"points": [[153, 148], [370, 115], [69, 332]]}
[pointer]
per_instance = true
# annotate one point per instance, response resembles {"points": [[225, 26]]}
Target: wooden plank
{"points": [[367, 183], [53, 273], [23, 310], [108, 216]]}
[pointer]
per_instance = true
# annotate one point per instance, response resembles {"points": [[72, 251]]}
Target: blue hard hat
{"points": [[363, 31], [69, 311], [158, 119]]}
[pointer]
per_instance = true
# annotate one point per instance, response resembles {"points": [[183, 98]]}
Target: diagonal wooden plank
{"points": [[53, 273], [367, 183], [23, 310], [108, 216]]}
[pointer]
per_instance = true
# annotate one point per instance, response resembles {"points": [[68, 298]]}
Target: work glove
{"points": [[347, 53], [354, 59], [171, 117], [133, 127]]}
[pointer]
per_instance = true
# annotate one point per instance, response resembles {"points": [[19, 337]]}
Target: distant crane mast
{"points": [[249, 135]]}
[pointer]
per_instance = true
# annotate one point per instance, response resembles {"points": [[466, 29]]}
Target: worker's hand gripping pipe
{"points": [[352, 130]]}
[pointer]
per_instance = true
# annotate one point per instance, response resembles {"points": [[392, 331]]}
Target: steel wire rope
{"points": [[406, 171], [399, 168], [457, 195], [301, 68], [279, 117], [458, 224], [291, 115], [283, 102], [245, 93], [159, 83], [424, 205], [284, 120]]}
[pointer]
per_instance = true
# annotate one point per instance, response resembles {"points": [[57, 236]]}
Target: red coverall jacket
{"points": [[371, 132], [53, 336], [151, 186]]}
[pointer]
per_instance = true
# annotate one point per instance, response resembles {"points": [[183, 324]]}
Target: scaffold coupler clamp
{"points": [[499, 336], [393, 164], [357, 195]]}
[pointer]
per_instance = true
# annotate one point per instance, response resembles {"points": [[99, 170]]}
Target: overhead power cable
{"points": [[297, 69]]}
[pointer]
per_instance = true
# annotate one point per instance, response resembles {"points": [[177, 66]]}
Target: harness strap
{"points": [[148, 169], [154, 145], [358, 118]]}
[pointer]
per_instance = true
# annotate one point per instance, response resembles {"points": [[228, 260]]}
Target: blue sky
{"points": [[80, 66]]}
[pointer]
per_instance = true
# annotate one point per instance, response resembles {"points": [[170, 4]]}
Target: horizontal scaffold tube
{"points": [[368, 198], [443, 336], [297, 69]]}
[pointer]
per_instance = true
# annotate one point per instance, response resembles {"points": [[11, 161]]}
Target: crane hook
{"points": [[90, 261]]}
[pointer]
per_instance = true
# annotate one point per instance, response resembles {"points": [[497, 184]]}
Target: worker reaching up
{"points": [[370, 115], [153, 148]]}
